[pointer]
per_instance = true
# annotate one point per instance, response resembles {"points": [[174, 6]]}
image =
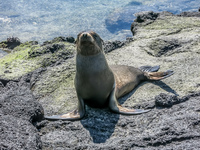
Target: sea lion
{"points": [[97, 84]]}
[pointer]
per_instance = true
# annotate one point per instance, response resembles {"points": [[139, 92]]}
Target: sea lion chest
{"points": [[94, 79]]}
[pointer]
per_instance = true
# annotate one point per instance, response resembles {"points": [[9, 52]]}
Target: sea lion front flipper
{"points": [[74, 115], [116, 107], [71, 116]]}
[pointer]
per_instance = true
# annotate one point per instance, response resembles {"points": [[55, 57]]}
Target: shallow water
{"points": [[45, 19]]}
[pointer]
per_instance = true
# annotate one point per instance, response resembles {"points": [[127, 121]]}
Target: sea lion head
{"points": [[89, 43]]}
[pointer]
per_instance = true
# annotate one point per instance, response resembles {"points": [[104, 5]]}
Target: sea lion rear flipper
{"points": [[115, 107], [149, 68], [158, 75], [71, 116]]}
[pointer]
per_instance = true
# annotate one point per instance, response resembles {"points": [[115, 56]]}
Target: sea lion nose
{"points": [[84, 34]]}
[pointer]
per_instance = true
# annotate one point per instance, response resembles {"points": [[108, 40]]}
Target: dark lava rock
{"points": [[18, 110], [29, 43], [10, 43], [49, 48], [161, 47], [189, 14], [165, 100], [57, 52], [17, 100], [109, 46], [18, 134], [60, 39], [112, 45], [175, 127], [145, 18], [5, 81]]}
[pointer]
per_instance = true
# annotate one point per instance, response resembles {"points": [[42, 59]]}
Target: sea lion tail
{"points": [[151, 73]]}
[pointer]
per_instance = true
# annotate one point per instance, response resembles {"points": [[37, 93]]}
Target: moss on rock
{"points": [[29, 56]]}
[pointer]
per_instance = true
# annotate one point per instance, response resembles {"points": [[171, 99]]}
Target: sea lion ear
{"points": [[102, 42], [103, 45]]}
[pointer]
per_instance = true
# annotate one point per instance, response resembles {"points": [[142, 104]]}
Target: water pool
{"points": [[46, 19]]}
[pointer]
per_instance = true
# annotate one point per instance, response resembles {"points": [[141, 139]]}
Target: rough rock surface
{"points": [[112, 45], [173, 123], [18, 111], [10, 43], [190, 14], [17, 133], [175, 127], [30, 56]]}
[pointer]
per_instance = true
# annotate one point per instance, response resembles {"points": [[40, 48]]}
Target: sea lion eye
{"points": [[95, 36]]}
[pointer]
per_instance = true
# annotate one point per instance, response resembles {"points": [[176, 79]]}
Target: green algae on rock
{"points": [[29, 56], [53, 87]]}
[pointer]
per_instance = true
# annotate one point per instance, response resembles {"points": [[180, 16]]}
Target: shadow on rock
{"points": [[100, 123], [149, 104], [165, 87]]}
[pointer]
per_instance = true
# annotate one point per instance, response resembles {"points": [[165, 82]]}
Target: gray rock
{"points": [[112, 45], [162, 128], [161, 47], [17, 100], [189, 14], [145, 17], [10, 43], [17, 133], [18, 110]]}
